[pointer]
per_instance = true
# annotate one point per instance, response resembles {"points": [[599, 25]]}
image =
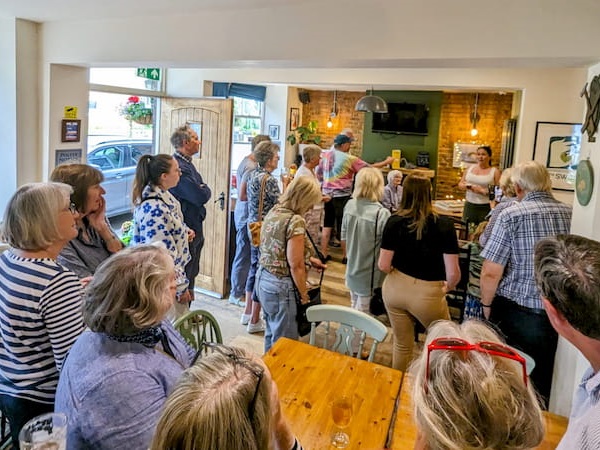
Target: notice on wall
{"points": [[70, 156], [70, 112]]}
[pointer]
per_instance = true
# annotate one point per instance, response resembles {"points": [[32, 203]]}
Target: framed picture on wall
{"points": [[70, 130], [556, 146], [294, 118], [274, 132]]}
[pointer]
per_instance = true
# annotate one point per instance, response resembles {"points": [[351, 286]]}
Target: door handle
{"points": [[221, 199]]}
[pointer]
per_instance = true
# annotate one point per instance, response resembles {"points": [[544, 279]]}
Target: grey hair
{"points": [[567, 273], [531, 176], [209, 407], [392, 174], [264, 152], [311, 152], [258, 139], [506, 183], [129, 291], [180, 136], [368, 184], [473, 400], [31, 216]]}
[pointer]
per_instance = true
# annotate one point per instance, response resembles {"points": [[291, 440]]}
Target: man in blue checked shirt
{"points": [[509, 295]]}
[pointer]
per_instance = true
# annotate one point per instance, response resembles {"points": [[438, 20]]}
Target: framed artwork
{"points": [[68, 156], [556, 146], [70, 130], [294, 118], [464, 155], [274, 132]]}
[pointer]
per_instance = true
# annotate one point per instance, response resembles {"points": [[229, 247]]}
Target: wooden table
{"points": [[309, 378], [405, 432]]}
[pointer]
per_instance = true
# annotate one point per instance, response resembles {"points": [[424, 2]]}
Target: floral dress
{"points": [[158, 218]]}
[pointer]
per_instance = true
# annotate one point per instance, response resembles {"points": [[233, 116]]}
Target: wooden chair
{"points": [[348, 319], [197, 327]]}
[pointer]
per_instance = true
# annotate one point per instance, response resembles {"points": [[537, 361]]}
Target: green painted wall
{"points": [[377, 146]]}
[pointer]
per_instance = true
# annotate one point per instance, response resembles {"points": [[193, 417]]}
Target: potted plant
{"points": [[137, 111], [305, 134]]}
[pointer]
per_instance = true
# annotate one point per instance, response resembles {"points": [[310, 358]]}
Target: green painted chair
{"points": [[199, 326], [349, 320]]}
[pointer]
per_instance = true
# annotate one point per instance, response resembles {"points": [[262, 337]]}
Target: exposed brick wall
{"points": [[455, 126], [319, 109]]}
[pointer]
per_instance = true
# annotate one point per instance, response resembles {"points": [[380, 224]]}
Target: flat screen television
{"points": [[402, 118]]}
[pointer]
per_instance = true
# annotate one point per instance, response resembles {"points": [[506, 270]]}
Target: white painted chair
{"points": [[349, 320]]}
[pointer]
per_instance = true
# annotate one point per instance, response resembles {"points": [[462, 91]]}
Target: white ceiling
{"points": [[58, 10]]}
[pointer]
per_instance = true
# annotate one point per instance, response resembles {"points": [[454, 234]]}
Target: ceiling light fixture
{"points": [[334, 111], [371, 103], [475, 117]]}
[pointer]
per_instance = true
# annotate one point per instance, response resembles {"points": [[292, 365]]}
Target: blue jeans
{"points": [[531, 332], [278, 301], [241, 261], [254, 257]]}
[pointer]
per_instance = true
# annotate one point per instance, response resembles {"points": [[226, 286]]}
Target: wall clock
{"points": [[584, 182]]}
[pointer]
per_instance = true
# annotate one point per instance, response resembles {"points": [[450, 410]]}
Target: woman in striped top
{"points": [[40, 301]]}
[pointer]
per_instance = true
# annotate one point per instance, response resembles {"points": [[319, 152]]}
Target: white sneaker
{"points": [[237, 301], [257, 327], [245, 319]]}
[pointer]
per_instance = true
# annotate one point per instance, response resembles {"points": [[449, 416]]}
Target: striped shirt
{"points": [[40, 319], [518, 228], [583, 431]]}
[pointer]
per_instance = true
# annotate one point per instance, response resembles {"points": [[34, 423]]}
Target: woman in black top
{"points": [[419, 251]]}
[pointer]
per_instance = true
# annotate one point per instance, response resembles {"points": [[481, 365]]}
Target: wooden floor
{"points": [[333, 291]]}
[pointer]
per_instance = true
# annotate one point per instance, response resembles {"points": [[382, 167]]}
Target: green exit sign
{"points": [[150, 73]]}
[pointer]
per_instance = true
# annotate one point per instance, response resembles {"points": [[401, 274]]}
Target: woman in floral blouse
{"points": [[284, 257], [158, 218]]}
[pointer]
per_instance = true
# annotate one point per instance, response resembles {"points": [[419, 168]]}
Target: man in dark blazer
{"points": [[192, 193]]}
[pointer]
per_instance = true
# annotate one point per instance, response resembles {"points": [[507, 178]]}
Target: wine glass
{"points": [[341, 411]]}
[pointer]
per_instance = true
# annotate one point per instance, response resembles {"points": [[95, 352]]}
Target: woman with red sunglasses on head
{"points": [[470, 391]]}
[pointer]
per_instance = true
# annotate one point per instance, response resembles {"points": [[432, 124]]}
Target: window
{"points": [[247, 123]]}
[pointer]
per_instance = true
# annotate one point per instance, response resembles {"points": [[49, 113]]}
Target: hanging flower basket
{"points": [[136, 111]]}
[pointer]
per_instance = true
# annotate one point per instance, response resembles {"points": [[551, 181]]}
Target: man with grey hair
{"points": [[509, 296], [567, 271], [192, 193]]}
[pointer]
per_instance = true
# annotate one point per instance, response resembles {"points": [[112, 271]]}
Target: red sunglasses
{"points": [[491, 348]]}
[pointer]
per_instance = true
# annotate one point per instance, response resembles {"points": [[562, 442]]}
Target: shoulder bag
{"points": [[314, 293], [255, 227], [376, 305]]}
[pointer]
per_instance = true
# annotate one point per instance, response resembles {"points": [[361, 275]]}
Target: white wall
{"points": [[8, 110], [570, 363]]}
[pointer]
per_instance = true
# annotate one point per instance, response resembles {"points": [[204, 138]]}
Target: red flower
{"points": [[133, 99]]}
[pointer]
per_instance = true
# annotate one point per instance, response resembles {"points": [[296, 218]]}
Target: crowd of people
{"points": [[86, 323]]}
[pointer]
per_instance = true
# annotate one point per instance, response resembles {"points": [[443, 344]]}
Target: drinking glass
{"points": [[341, 411], [45, 432]]}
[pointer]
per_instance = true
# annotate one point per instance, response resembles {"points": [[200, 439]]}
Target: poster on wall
{"points": [[70, 156], [464, 155], [556, 146]]}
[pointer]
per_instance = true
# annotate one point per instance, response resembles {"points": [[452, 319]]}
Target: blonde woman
{"points": [[470, 391], [312, 156], [285, 254], [419, 252], [226, 401], [362, 227], [509, 195]]}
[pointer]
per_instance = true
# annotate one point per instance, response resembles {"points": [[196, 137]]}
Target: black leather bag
{"points": [[314, 294], [376, 306]]}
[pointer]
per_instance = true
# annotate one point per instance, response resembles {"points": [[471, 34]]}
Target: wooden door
{"points": [[214, 117]]}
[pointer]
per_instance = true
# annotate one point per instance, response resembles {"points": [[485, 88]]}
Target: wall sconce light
{"points": [[475, 117], [371, 103], [334, 111]]}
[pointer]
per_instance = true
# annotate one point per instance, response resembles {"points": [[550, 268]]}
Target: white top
{"points": [[481, 180]]}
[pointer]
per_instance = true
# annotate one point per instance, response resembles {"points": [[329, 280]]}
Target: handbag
{"points": [[314, 293], [255, 227], [376, 305]]}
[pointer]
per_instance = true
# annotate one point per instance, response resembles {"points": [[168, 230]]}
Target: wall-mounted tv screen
{"points": [[402, 118]]}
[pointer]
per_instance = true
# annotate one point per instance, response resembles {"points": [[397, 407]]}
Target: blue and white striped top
{"points": [[40, 319]]}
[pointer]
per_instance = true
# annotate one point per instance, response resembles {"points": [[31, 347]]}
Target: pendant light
{"points": [[475, 117], [334, 111], [371, 103]]}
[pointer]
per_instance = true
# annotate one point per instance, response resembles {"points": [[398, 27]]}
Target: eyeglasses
{"points": [[71, 208], [246, 363], [491, 348]]}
